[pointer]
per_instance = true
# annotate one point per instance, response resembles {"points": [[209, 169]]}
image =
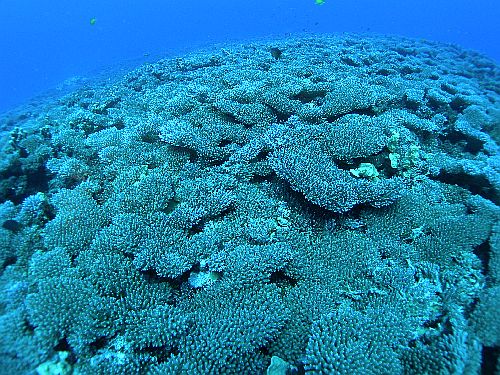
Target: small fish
{"points": [[93, 20], [320, 2]]}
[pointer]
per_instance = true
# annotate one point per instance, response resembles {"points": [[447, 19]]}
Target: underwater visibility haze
{"points": [[44, 43], [282, 187]]}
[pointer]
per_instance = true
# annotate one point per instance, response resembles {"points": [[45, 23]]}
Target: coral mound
{"points": [[311, 204]]}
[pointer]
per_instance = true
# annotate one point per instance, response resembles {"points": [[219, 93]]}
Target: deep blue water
{"points": [[45, 43]]}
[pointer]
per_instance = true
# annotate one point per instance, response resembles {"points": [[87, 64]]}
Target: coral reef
{"points": [[316, 204]]}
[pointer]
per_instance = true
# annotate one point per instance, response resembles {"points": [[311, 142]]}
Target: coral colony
{"points": [[319, 205]]}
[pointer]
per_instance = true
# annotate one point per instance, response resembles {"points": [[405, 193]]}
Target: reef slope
{"points": [[319, 204]]}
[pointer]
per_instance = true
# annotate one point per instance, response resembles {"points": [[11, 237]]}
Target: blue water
{"points": [[45, 43], [291, 198]]}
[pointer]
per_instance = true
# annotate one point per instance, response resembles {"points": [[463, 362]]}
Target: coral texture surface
{"points": [[319, 205]]}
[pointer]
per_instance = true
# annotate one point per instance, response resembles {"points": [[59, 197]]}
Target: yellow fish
{"points": [[320, 2], [92, 20]]}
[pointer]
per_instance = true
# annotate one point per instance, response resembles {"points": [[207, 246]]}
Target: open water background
{"points": [[53, 44]]}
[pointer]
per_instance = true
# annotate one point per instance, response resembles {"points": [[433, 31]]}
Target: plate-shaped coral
{"points": [[330, 210]]}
